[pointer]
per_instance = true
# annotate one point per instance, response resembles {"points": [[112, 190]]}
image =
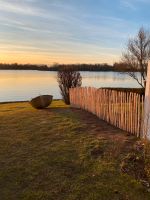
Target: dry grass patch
{"points": [[61, 153]]}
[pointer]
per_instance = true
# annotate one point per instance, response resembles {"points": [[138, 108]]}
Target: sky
{"points": [[69, 31]]}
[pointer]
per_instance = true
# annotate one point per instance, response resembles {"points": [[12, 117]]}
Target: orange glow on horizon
{"points": [[41, 58]]}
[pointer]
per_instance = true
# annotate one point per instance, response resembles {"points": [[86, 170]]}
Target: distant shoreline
{"points": [[57, 70], [26, 101], [77, 67], [5, 102], [77, 70]]}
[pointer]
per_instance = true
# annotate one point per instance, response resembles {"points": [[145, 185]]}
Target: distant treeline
{"points": [[85, 67], [16, 66], [118, 67]]}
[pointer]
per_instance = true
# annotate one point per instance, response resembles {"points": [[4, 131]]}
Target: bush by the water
{"points": [[68, 78]]}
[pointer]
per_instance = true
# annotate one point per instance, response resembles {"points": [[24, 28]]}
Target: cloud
{"points": [[129, 4], [54, 28], [19, 7], [133, 4]]}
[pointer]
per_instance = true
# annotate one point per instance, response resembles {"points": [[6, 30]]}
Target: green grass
{"points": [[62, 153]]}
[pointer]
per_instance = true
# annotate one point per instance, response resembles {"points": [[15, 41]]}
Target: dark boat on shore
{"points": [[41, 101]]}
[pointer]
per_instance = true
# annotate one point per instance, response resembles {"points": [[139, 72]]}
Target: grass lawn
{"points": [[61, 153]]}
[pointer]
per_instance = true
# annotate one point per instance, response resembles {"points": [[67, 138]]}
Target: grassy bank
{"points": [[61, 153]]}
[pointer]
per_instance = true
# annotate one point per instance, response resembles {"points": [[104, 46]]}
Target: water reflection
{"points": [[22, 85]]}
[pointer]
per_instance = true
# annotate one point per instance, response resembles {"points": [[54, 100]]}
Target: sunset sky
{"points": [[68, 31]]}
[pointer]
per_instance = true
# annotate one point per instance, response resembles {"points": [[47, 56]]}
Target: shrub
{"points": [[68, 78]]}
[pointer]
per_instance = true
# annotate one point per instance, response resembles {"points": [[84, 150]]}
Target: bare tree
{"points": [[137, 55], [68, 78]]}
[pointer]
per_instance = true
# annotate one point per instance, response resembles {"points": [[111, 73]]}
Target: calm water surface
{"points": [[19, 85]]}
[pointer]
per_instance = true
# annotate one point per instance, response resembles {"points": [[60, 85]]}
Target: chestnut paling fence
{"points": [[121, 109]]}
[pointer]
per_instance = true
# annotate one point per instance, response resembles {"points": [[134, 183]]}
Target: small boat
{"points": [[41, 101]]}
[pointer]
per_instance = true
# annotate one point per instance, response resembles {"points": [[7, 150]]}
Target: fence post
{"points": [[146, 125]]}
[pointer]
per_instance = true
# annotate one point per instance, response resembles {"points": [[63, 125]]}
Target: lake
{"points": [[20, 85]]}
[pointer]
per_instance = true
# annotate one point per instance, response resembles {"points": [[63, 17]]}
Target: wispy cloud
{"points": [[129, 4], [58, 28], [19, 7], [134, 5]]}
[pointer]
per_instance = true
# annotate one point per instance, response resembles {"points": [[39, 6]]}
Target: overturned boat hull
{"points": [[41, 101]]}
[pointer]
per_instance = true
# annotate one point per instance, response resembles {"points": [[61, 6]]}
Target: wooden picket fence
{"points": [[121, 109]]}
